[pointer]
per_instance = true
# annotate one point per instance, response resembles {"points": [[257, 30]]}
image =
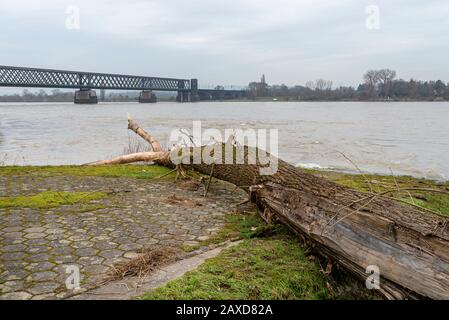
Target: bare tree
{"points": [[386, 76], [323, 85], [371, 78], [310, 85], [323, 88]]}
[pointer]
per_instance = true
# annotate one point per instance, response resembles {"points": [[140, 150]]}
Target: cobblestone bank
{"points": [[37, 246]]}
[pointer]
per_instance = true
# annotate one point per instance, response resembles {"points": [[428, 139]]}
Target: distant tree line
{"points": [[57, 95], [40, 96], [377, 85]]}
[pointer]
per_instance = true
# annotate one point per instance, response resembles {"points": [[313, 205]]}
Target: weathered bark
{"points": [[160, 156], [353, 229], [132, 125]]}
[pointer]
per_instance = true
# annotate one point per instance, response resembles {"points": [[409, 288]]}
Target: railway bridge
{"points": [[85, 84]]}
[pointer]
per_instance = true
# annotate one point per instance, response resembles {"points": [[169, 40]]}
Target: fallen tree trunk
{"points": [[409, 246], [133, 157]]}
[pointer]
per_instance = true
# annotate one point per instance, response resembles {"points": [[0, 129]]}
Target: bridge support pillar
{"points": [[147, 96], [183, 96], [194, 96], [86, 96]]}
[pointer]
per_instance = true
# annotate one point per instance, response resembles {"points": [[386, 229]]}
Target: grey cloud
{"points": [[230, 42]]}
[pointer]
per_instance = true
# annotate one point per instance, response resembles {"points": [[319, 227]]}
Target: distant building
{"points": [[259, 89]]}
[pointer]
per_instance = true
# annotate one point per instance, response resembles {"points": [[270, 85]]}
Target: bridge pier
{"points": [[186, 94], [194, 96], [183, 96], [147, 96], [86, 96]]}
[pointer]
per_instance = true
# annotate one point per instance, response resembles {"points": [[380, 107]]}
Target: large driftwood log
{"points": [[351, 228], [134, 157]]}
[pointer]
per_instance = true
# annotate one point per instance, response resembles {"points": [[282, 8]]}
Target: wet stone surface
{"points": [[40, 249]]}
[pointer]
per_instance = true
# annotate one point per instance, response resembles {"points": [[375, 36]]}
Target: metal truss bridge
{"points": [[87, 81]]}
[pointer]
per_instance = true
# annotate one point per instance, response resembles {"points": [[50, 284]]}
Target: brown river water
{"points": [[401, 137]]}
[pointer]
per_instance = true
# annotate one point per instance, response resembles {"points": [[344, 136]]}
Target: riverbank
{"points": [[299, 99], [272, 264], [93, 218], [96, 217], [124, 99]]}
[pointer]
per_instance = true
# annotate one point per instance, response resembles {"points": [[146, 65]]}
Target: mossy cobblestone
{"points": [[36, 245]]}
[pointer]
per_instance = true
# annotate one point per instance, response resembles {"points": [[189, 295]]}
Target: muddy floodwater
{"points": [[404, 138]]}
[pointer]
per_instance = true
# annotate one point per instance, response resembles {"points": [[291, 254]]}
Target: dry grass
{"points": [[148, 260], [3, 158], [187, 202], [191, 184], [136, 145]]}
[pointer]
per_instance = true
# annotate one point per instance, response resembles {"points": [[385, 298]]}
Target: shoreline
{"points": [[313, 169], [96, 217], [279, 99]]}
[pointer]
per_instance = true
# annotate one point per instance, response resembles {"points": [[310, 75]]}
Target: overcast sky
{"points": [[230, 42]]}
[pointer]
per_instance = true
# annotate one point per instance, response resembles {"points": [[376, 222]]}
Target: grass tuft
{"points": [[255, 269], [238, 226], [50, 199], [130, 171], [379, 183], [270, 263]]}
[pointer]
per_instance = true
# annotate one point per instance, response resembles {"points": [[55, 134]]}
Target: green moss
{"points": [[238, 226], [131, 171], [243, 226], [378, 183], [435, 202], [49, 199], [254, 269]]}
